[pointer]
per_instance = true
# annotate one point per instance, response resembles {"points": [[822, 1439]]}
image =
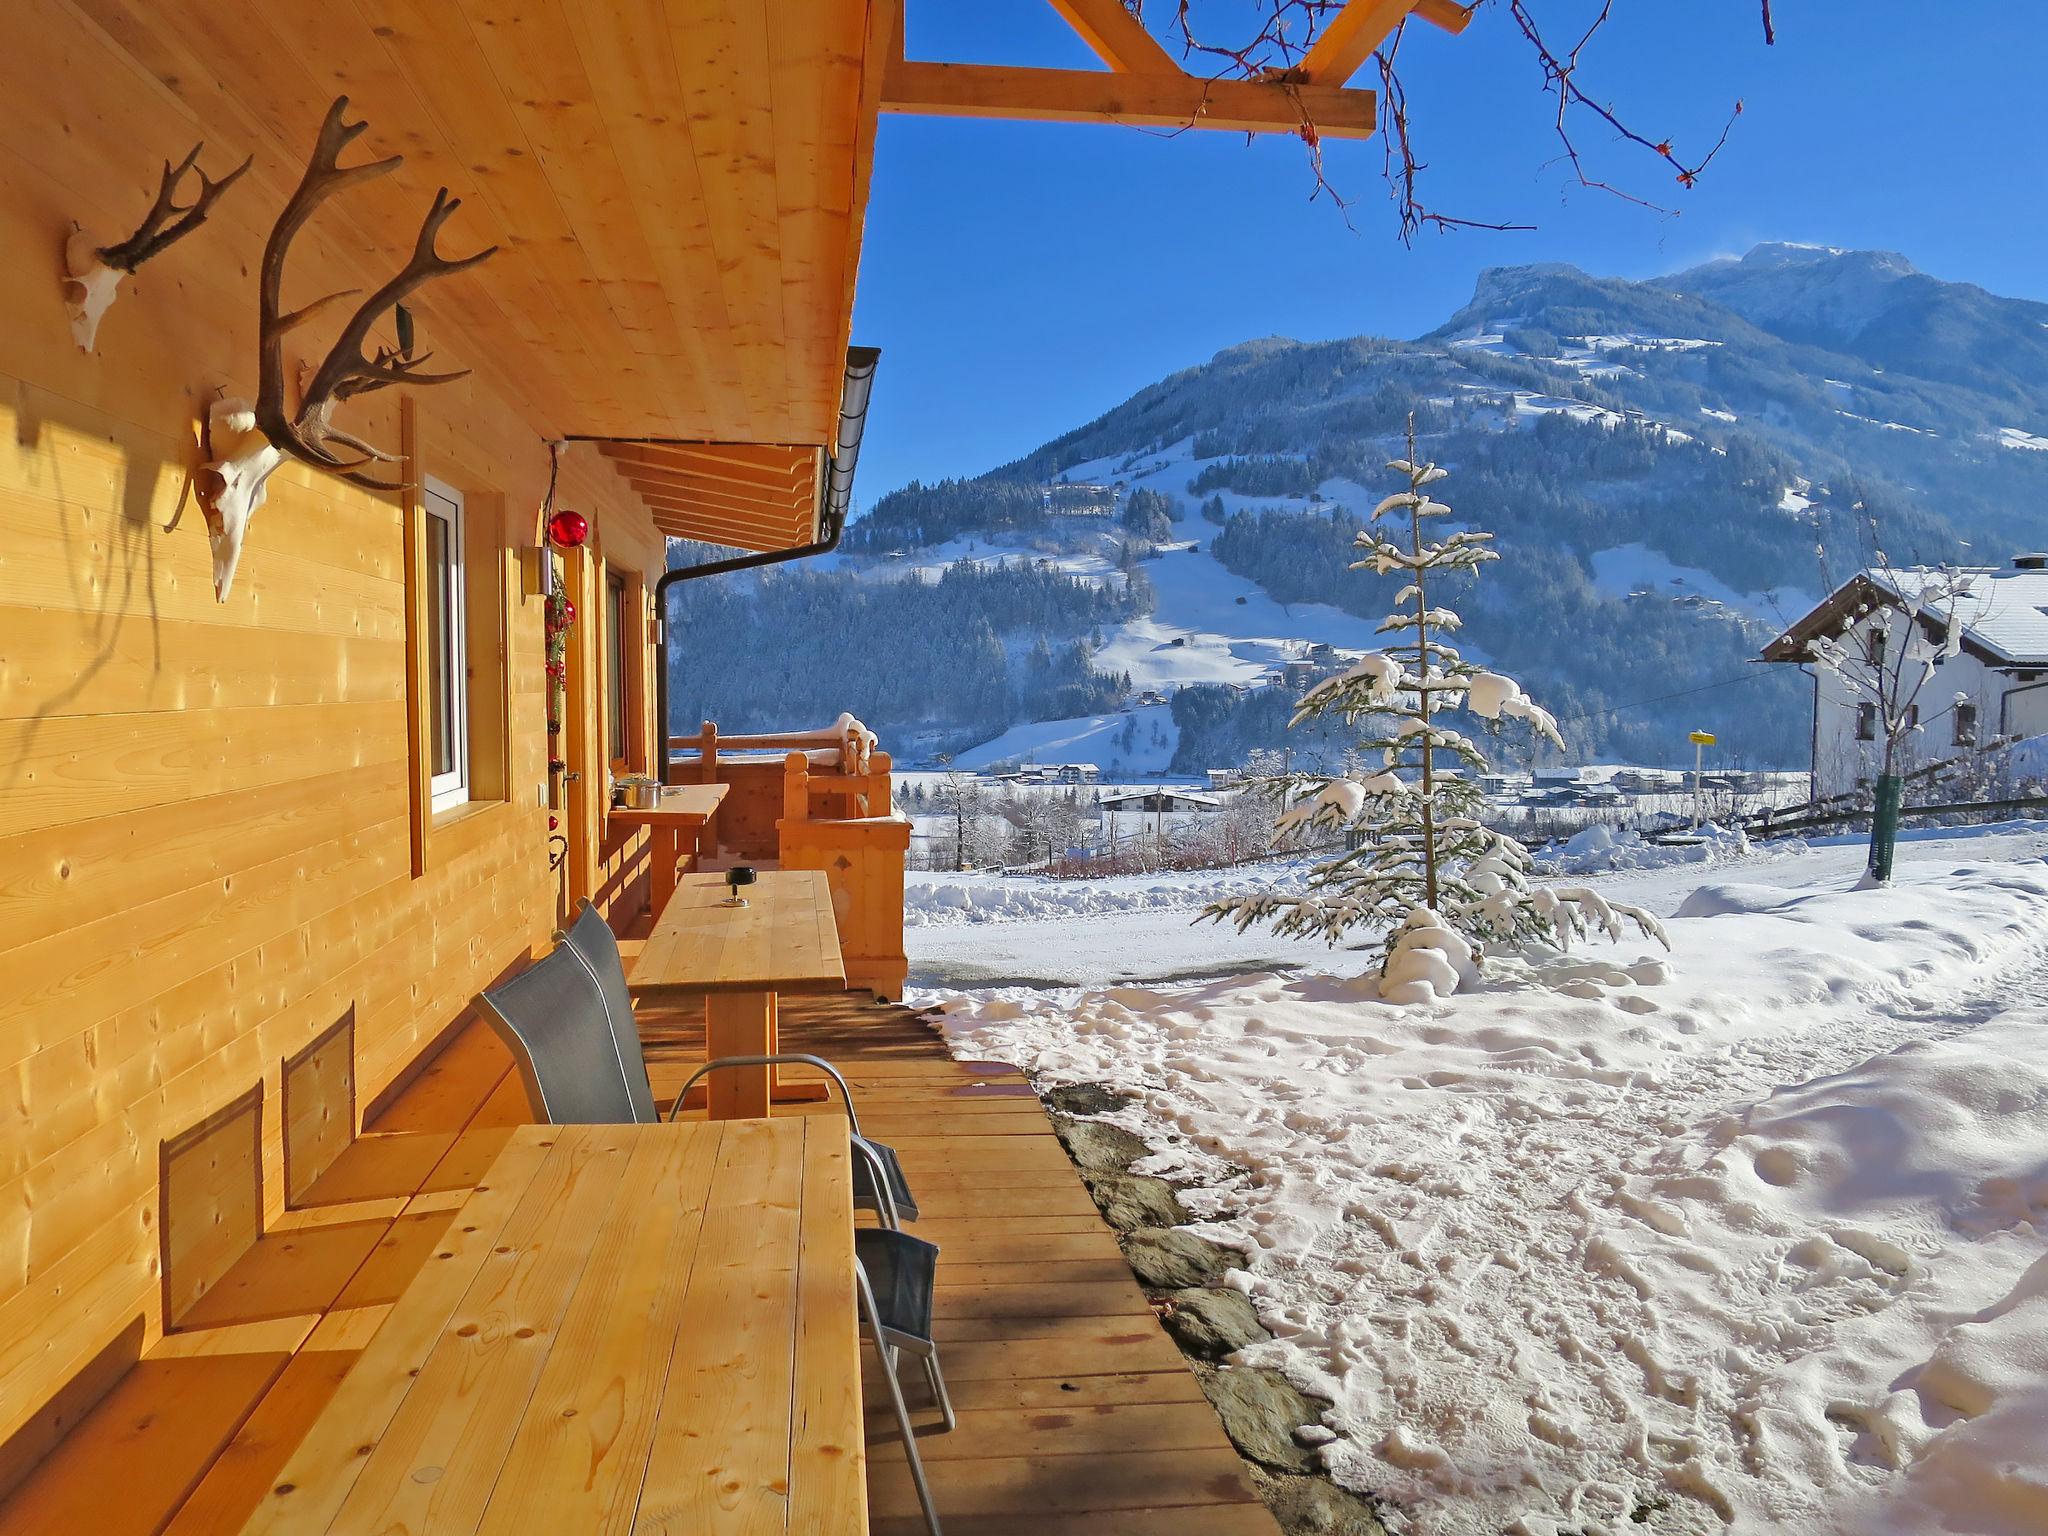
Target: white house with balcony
{"points": [[1993, 689]]}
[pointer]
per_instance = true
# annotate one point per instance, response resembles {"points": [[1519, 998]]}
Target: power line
{"points": [[1683, 693]]}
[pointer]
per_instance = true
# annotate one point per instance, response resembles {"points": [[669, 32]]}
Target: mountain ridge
{"points": [[1659, 458]]}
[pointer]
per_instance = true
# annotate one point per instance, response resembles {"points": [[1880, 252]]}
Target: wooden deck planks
{"points": [[1077, 1412]]}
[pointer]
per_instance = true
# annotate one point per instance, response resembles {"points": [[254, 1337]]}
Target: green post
{"points": [[1884, 826]]}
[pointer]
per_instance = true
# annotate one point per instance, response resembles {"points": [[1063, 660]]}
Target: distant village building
{"points": [[2000, 674], [1154, 802], [1080, 498]]}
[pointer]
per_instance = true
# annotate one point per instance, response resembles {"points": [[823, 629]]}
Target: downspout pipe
{"points": [[835, 502]]}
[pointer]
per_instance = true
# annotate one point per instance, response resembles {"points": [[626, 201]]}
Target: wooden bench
{"points": [[851, 830]]}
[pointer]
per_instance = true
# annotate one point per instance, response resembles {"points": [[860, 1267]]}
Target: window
{"points": [[445, 643], [1966, 723], [1866, 722], [1873, 646], [615, 675]]}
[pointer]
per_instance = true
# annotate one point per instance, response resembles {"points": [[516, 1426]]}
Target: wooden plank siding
{"points": [[205, 832]]}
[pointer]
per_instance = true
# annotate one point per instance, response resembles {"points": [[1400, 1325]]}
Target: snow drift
{"points": [[1751, 1241]]}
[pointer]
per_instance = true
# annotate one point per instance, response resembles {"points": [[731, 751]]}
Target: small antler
{"points": [[155, 231], [345, 372]]}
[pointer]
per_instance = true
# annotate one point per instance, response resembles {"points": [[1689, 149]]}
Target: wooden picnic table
{"points": [[681, 809], [644, 1328], [738, 959]]}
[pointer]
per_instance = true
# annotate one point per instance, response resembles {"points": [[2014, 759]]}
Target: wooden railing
{"points": [[812, 800]]}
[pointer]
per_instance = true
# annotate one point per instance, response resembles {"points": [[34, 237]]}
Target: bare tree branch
{"points": [[1286, 29]]}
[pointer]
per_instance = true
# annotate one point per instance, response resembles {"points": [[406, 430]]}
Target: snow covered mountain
{"points": [[1875, 306], [1659, 459]]}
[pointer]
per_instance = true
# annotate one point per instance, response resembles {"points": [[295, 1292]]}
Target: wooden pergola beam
{"points": [[1151, 101], [1350, 37], [1118, 38]]}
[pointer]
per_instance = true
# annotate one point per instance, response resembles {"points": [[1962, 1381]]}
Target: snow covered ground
{"points": [[1630, 568], [1749, 1237]]}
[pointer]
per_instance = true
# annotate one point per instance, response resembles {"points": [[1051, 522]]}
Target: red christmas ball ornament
{"points": [[553, 824], [568, 530]]}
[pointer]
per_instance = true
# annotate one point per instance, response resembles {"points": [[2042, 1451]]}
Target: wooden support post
{"points": [[707, 754], [796, 787], [738, 1024], [882, 798]]}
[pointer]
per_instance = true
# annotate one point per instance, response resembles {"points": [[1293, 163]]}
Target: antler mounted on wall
{"points": [[92, 273], [250, 441]]}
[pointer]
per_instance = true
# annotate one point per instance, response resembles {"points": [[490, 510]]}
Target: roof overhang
{"points": [[677, 191], [1868, 589]]}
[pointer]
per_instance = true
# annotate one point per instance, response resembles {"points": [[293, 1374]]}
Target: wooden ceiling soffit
{"points": [[1144, 87], [754, 496]]}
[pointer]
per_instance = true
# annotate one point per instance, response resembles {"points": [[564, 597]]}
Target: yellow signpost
{"points": [[1701, 740]]}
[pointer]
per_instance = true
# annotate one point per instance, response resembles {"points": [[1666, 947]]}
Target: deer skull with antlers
{"points": [[250, 441], [92, 273]]}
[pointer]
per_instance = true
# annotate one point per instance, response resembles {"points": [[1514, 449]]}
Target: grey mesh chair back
{"points": [[552, 1016], [590, 938]]}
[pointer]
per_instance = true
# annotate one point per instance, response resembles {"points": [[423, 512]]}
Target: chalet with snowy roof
{"points": [[1993, 689]]}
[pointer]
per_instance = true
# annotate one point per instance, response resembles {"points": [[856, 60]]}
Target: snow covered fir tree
{"points": [[1422, 863]]}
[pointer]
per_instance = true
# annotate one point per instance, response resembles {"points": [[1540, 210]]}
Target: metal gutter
{"points": [[834, 501]]}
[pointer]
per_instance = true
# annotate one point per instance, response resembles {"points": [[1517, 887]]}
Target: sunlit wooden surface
{"points": [[645, 1328], [739, 960], [680, 814], [1077, 1413]]}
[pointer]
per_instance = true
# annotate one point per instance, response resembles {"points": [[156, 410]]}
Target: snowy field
{"points": [[1749, 1237]]}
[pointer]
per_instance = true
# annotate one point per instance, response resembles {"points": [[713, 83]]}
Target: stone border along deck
{"points": [[1262, 1412]]}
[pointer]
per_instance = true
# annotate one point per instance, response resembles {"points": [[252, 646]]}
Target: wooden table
{"points": [[737, 959], [681, 808], [627, 1328]]}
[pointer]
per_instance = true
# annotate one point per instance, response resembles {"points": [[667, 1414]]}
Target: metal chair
{"points": [[879, 1184], [576, 1072], [590, 938], [897, 1274]]}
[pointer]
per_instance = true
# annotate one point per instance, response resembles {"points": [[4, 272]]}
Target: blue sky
{"points": [[1022, 278]]}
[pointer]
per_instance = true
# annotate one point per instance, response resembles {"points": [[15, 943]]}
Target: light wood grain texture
{"points": [[675, 824], [720, 1457], [1147, 100], [1118, 38], [783, 940], [636, 1328]]}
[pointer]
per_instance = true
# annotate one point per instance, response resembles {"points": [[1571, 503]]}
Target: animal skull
{"points": [[89, 286], [232, 486]]}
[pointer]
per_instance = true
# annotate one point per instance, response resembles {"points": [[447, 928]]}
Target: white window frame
{"points": [[443, 502]]}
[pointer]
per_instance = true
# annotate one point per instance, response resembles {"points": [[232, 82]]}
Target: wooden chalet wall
{"points": [[207, 840]]}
